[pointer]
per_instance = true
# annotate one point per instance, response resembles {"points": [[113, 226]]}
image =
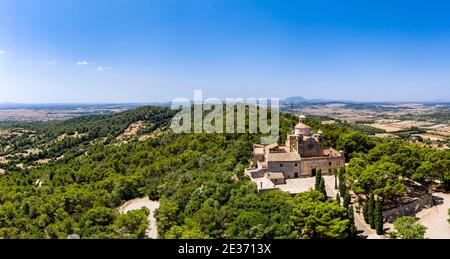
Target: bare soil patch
{"points": [[132, 130], [43, 161]]}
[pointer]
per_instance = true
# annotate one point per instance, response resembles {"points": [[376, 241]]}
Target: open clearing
{"points": [[132, 130], [3, 160], [43, 161], [435, 218]]}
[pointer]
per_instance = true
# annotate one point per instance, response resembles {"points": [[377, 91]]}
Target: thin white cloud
{"points": [[2, 52], [83, 63], [102, 68], [52, 62]]}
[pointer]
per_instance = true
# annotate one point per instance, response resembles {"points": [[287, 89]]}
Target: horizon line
{"points": [[312, 101]]}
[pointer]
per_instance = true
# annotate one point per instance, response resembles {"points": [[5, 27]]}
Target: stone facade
{"points": [[303, 155]]}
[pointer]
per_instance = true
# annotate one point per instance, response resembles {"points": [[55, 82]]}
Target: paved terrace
{"points": [[305, 184]]}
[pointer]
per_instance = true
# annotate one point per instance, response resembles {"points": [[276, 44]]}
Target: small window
{"points": [[281, 165], [295, 164], [329, 163]]}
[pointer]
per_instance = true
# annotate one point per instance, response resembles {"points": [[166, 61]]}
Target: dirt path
{"points": [[329, 186], [364, 230], [152, 231], [435, 218]]}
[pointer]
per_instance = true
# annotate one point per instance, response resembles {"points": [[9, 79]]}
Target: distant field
{"points": [[49, 115], [396, 125], [52, 112], [444, 131], [424, 121], [431, 137]]}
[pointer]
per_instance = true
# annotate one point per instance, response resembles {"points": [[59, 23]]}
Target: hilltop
{"points": [[71, 177]]}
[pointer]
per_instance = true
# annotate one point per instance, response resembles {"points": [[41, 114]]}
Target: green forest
{"points": [[198, 179]]}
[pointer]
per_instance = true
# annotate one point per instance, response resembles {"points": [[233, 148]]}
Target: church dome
{"points": [[302, 119], [302, 126], [303, 129]]}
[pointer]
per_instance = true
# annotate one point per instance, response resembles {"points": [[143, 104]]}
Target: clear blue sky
{"points": [[143, 51]]}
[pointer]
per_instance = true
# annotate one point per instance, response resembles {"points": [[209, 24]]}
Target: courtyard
{"points": [[304, 184]]}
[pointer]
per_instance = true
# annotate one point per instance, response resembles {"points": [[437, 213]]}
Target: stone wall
{"points": [[311, 148], [321, 163], [256, 158], [408, 209], [288, 168], [255, 173]]}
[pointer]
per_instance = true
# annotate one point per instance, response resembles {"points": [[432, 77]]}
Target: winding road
{"points": [[152, 231]]}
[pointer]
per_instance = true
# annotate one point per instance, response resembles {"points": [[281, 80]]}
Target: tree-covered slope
{"points": [[198, 179], [53, 139]]}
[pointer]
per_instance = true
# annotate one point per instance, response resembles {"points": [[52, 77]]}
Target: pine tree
{"points": [[338, 198], [371, 212], [346, 200], [353, 231], [378, 217]]}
